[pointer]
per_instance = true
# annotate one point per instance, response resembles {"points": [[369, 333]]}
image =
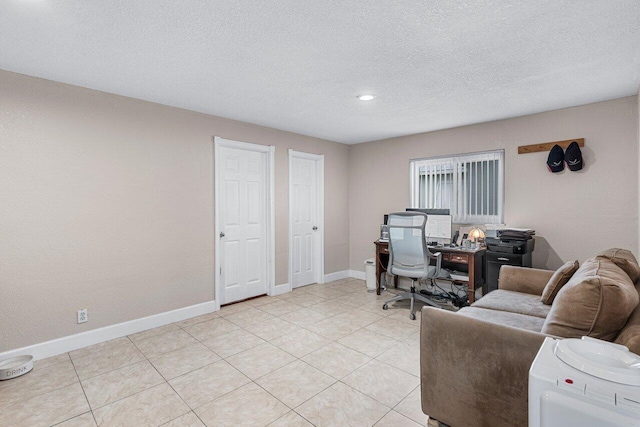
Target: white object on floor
{"points": [[15, 366], [584, 382], [370, 271]]}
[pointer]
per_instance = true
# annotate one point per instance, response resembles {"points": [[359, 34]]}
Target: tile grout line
{"points": [[296, 359], [289, 407], [115, 369], [309, 330], [398, 404], [254, 381], [383, 404], [372, 358], [222, 395], [333, 341], [303, 327], [35, 365], [129, 395], [233, 367], [336, 381], [276, 420], [83, 391], [174, 390]]}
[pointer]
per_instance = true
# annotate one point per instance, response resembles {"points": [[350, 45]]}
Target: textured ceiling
{"points": [[299, 65]]}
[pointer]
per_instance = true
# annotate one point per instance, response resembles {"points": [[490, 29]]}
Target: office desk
{"points": [[468, 260]]}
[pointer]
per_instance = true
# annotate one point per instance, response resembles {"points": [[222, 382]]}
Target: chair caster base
{"points": [[385, 307], [412, 316]]}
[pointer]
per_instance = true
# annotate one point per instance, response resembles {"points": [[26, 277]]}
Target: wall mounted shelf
{"points": [[546, 146]]}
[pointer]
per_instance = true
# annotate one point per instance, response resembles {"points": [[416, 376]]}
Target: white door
{"points": [[242, 197], [306, 206]]}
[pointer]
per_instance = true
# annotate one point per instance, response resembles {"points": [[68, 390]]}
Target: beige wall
{"points": [[107, 204], [575, 214]]}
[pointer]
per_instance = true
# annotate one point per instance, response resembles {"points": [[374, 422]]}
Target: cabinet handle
{"points": [[503, 259]]}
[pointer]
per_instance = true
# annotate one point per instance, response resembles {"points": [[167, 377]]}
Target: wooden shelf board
{"points": [[535, 148]]}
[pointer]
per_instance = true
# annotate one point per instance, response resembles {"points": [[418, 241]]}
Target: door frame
{"points": [[269, 150], [319, 158]]}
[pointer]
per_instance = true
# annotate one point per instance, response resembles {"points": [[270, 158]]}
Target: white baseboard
{"points": [[336, 276], [96, 336], [354, 274], [280, 289], [357, 274]]}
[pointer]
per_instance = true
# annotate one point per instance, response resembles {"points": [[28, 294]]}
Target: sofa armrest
{"points": [[474, 373], [522, 279]]}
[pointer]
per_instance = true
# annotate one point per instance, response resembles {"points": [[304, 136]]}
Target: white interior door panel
{"points": [[243, 225]]}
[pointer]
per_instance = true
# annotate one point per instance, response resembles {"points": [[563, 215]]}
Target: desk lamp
{"points": [[476, 235]]}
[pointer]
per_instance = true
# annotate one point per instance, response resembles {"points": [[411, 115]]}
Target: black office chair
{"points": [[409, 255]]}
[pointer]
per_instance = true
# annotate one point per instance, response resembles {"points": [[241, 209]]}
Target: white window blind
{"points": [[471, 186]]}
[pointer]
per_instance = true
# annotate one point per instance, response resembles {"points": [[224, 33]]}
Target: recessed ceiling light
{"points": [[366, 97]]}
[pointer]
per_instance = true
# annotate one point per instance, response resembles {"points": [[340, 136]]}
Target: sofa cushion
{"points": [[558, 280], [596, 302], [514, 302], [521, 321], [630, 334], [623, 259]]}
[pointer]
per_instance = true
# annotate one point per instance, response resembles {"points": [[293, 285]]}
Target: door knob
{"points": [[221, 235], [315, 228]]}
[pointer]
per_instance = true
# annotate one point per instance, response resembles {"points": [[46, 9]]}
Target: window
{"points": [[470, 185]]}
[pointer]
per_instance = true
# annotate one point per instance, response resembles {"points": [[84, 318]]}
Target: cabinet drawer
{"points": [[459, 258], [502, 258], [384, 250], [445, 256]]}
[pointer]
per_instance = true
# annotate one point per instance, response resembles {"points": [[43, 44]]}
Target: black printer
{"points": [[510, 247], [495, 244]]}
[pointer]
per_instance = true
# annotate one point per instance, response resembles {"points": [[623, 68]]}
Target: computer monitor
{"points": [[438, 224]]}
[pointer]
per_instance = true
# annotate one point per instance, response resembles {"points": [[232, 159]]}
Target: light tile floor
{"points": [[323, 355]]}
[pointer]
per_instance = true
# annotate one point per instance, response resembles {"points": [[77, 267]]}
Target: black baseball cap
{"points": [[573, 157], [555, 161]]}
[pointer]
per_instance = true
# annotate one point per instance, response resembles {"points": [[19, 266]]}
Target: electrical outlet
{"points": [[83, 315]]}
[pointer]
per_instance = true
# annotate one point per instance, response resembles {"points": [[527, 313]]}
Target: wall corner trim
{"points": [[280, 289], [344, 274], [357, 274], [338, 275], [107, 333]]}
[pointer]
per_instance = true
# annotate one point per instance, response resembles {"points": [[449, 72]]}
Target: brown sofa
{"points": [[475, 363]]}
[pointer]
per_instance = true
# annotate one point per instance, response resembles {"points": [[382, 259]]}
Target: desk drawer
{"points": [[459, 258]]}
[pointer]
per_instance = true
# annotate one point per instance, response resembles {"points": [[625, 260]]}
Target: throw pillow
{"points": [[624, 259], [558, 280], [596, 302]]}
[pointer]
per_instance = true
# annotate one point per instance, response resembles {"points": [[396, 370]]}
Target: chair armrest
{"points": [[438, 257], [473, 372], [522, 279]]}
